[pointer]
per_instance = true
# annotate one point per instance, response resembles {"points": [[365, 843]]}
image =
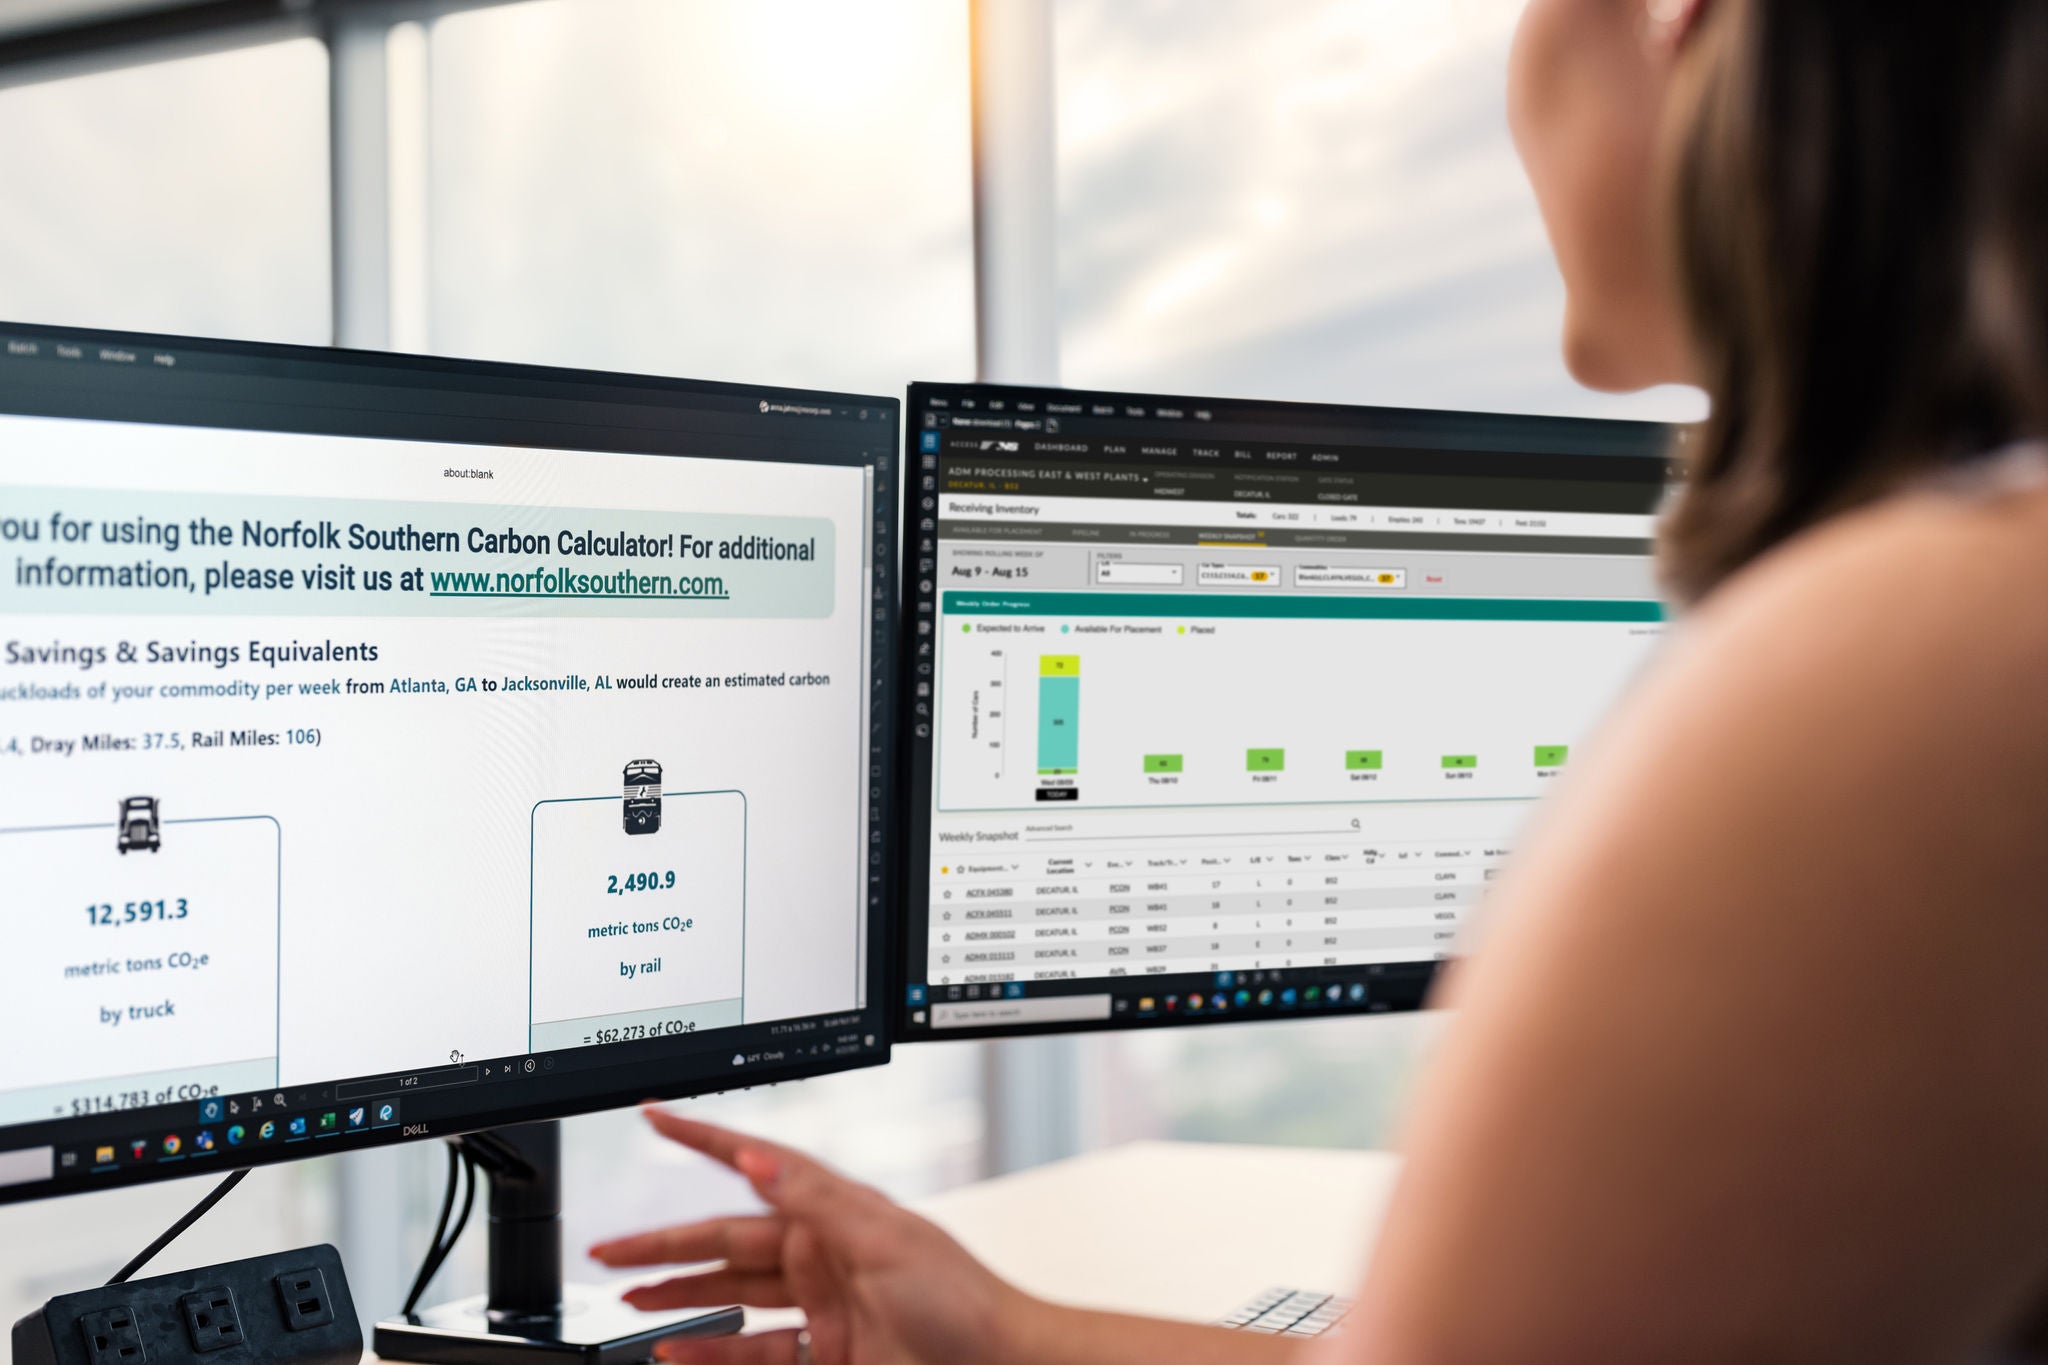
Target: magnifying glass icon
{"points": [[1354, 822]]}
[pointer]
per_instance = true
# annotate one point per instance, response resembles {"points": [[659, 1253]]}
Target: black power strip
{"points": [[288, 1308]]}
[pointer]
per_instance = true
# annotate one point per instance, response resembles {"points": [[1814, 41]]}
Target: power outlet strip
{"points": [[288, 1308]]}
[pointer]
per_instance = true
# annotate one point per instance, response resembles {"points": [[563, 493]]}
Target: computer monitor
{"points": [[395, 747], [1223, 710]]}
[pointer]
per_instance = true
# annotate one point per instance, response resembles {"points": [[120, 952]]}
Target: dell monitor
{"points": [[1222, 710], [394, 747]]}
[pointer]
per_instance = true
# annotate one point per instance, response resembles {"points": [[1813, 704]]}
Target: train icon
{"points": [[643, 796]]}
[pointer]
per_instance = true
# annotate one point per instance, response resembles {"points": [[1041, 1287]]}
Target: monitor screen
{"points": [[392, 747], [1230, 710]]}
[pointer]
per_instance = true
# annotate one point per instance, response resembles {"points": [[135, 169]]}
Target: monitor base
{"points": [[594, 1328], [529, 1314]]}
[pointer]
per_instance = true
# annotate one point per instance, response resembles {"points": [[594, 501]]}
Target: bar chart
{"points": [[1287, 706]]}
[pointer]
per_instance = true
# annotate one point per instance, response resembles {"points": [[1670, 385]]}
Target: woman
{"points": [[1753, 1065]]}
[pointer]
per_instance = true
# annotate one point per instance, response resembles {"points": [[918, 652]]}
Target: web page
{"points": [[1240, 723], [324, 756]]}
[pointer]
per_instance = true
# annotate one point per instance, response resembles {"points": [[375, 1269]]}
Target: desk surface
{"points": [[1177, 1230], [1170, 1229]]}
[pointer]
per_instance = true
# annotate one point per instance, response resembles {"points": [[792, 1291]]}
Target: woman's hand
{"points": [[878, 1283]]}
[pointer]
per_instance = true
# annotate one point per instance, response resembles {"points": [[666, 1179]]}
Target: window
{"points": [[1306, 199], [178, 196], [771, 193], [154, 197], [1300, 199]]}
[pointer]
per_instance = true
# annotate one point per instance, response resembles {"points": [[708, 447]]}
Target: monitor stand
{"points": [[528, 1315]]}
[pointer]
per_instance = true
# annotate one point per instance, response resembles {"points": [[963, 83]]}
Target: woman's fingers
{"points": [[769, 1348], [713, 1289], [743, 1243], [720, 1144], [785, 1178], [796, 1185]]}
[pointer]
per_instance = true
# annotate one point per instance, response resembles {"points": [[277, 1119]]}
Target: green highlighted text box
{"points": [[1552, 755], [160, 553], [1265, 760], [1297, 607], [1460, 761], [1364, 761], [1163, 763]]}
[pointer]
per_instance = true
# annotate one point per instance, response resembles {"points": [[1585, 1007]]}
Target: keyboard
{"points": [[1290, 1313]]}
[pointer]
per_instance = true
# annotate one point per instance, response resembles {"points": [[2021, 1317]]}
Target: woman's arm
{"points": [[1754, 1065], [878, 1284]]}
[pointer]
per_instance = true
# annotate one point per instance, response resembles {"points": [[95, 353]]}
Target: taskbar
{"points": [[195, 1133], [1003, 1008]]}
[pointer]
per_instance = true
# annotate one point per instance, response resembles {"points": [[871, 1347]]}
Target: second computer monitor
{"points": [[1226, 710]]}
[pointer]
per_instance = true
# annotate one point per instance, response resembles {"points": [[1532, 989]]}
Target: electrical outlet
{"points": [[285, 1308], [210, 1318], [302, 1294], [112, 1337]]}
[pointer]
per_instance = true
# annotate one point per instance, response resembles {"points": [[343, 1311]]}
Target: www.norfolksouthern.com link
{"points": [[545, 582]]}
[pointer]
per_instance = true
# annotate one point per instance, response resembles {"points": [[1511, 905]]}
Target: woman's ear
{"points": [[1668, 24]]}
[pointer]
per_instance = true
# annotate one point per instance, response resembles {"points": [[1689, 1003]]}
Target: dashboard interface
{"points": [[1225, 709], [392, 747]]}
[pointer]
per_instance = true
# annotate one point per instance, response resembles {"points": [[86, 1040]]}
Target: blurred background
{"points": [[1302, 199]]}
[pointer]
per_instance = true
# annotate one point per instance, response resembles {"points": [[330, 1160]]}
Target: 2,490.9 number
{"points": [[641, 881]]}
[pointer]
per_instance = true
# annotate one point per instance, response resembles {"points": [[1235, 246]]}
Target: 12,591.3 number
{"points": [[136, 912]]}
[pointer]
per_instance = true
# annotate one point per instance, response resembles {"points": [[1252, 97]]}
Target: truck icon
{"points": [[643, 796], [140, 825]]}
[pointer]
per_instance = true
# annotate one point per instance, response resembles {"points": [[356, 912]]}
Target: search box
{"points": [[1052, 1009], [29, 1165]]}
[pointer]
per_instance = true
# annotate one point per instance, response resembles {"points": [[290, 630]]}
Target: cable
{"points": [[218, 1193], [419, 1281], [462, 1164]]}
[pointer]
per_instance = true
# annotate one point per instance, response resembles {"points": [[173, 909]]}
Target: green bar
{"points": [[1461, 760], [1552, 755], [1363, 761], [1299, 607], [1265, 760], [1162, 763]]}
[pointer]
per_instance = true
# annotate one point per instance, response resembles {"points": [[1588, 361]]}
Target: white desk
{"points": [[1169, 1229], [1177, 1230]]}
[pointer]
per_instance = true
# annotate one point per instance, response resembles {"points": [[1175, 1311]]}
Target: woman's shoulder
{"points": [[1903, 649], [1928, 586]]}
